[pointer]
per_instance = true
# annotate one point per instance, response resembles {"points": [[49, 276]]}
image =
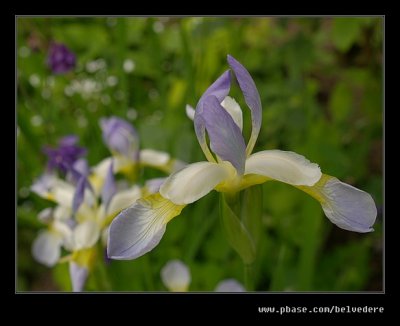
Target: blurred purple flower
{"points": [[60, 58], [120, 137], [65, 155]]}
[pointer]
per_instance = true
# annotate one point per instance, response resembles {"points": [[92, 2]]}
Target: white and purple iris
{"points": [[123, 141], [82, 215], [89, 197], [231, 167]]}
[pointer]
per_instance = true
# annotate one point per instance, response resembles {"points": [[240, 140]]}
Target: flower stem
{"points": [[249, 277]]}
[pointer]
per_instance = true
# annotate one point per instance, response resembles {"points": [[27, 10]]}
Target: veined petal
{"points": [[86, 234], [46, 248], [139, 228], [78, 275], [287, 167], [220, 89], [194, 181], [123, 199], [226, 139], [152, 157], [233, 108], [346, 206], [229, 285], [252, 98], [176, 276]]}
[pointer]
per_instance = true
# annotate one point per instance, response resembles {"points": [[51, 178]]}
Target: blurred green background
{"points": [[320, 81]]}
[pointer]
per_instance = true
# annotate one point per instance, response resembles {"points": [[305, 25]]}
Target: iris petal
{"points": [[346, 206], [176, 276], [220, 89], [226, 139], [288, 167], [140, 227], [252, 98], [46, 248], [78, 275], [229, 285], [109, 188], [194, 181]]}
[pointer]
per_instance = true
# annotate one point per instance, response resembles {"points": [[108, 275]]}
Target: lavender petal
{"points": [[109, 188], [226, 139], [220, 89], [78, 275], [252, 98], [79, 194]]}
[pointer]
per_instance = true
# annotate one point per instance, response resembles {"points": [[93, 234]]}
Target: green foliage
{"points": [[320, 81]]}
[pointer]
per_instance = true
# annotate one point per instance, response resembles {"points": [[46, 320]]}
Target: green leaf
{"points": [[236, 233], [252, 207], [345, 32]]}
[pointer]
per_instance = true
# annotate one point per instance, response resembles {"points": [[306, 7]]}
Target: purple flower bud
{"points": [[120, 137], [63, 157], [60, 58]]}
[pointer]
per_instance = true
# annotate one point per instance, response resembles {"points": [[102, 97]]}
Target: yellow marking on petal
{"points": [[161, 206], [184, 288], [96, 181], [126, 166], [237, 183], [249, 180], [108, 219], [232, 182], [85, 257], [315, 191], [65, 259], [128, 169], [50, 196]]}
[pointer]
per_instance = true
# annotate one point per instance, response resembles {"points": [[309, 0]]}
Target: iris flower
{"points": [[88, 199], [80, 219], [123, 141], [232, 168]]}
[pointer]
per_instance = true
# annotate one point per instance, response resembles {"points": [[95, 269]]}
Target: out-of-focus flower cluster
{"points": [[87, 198], [60, 59]]}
